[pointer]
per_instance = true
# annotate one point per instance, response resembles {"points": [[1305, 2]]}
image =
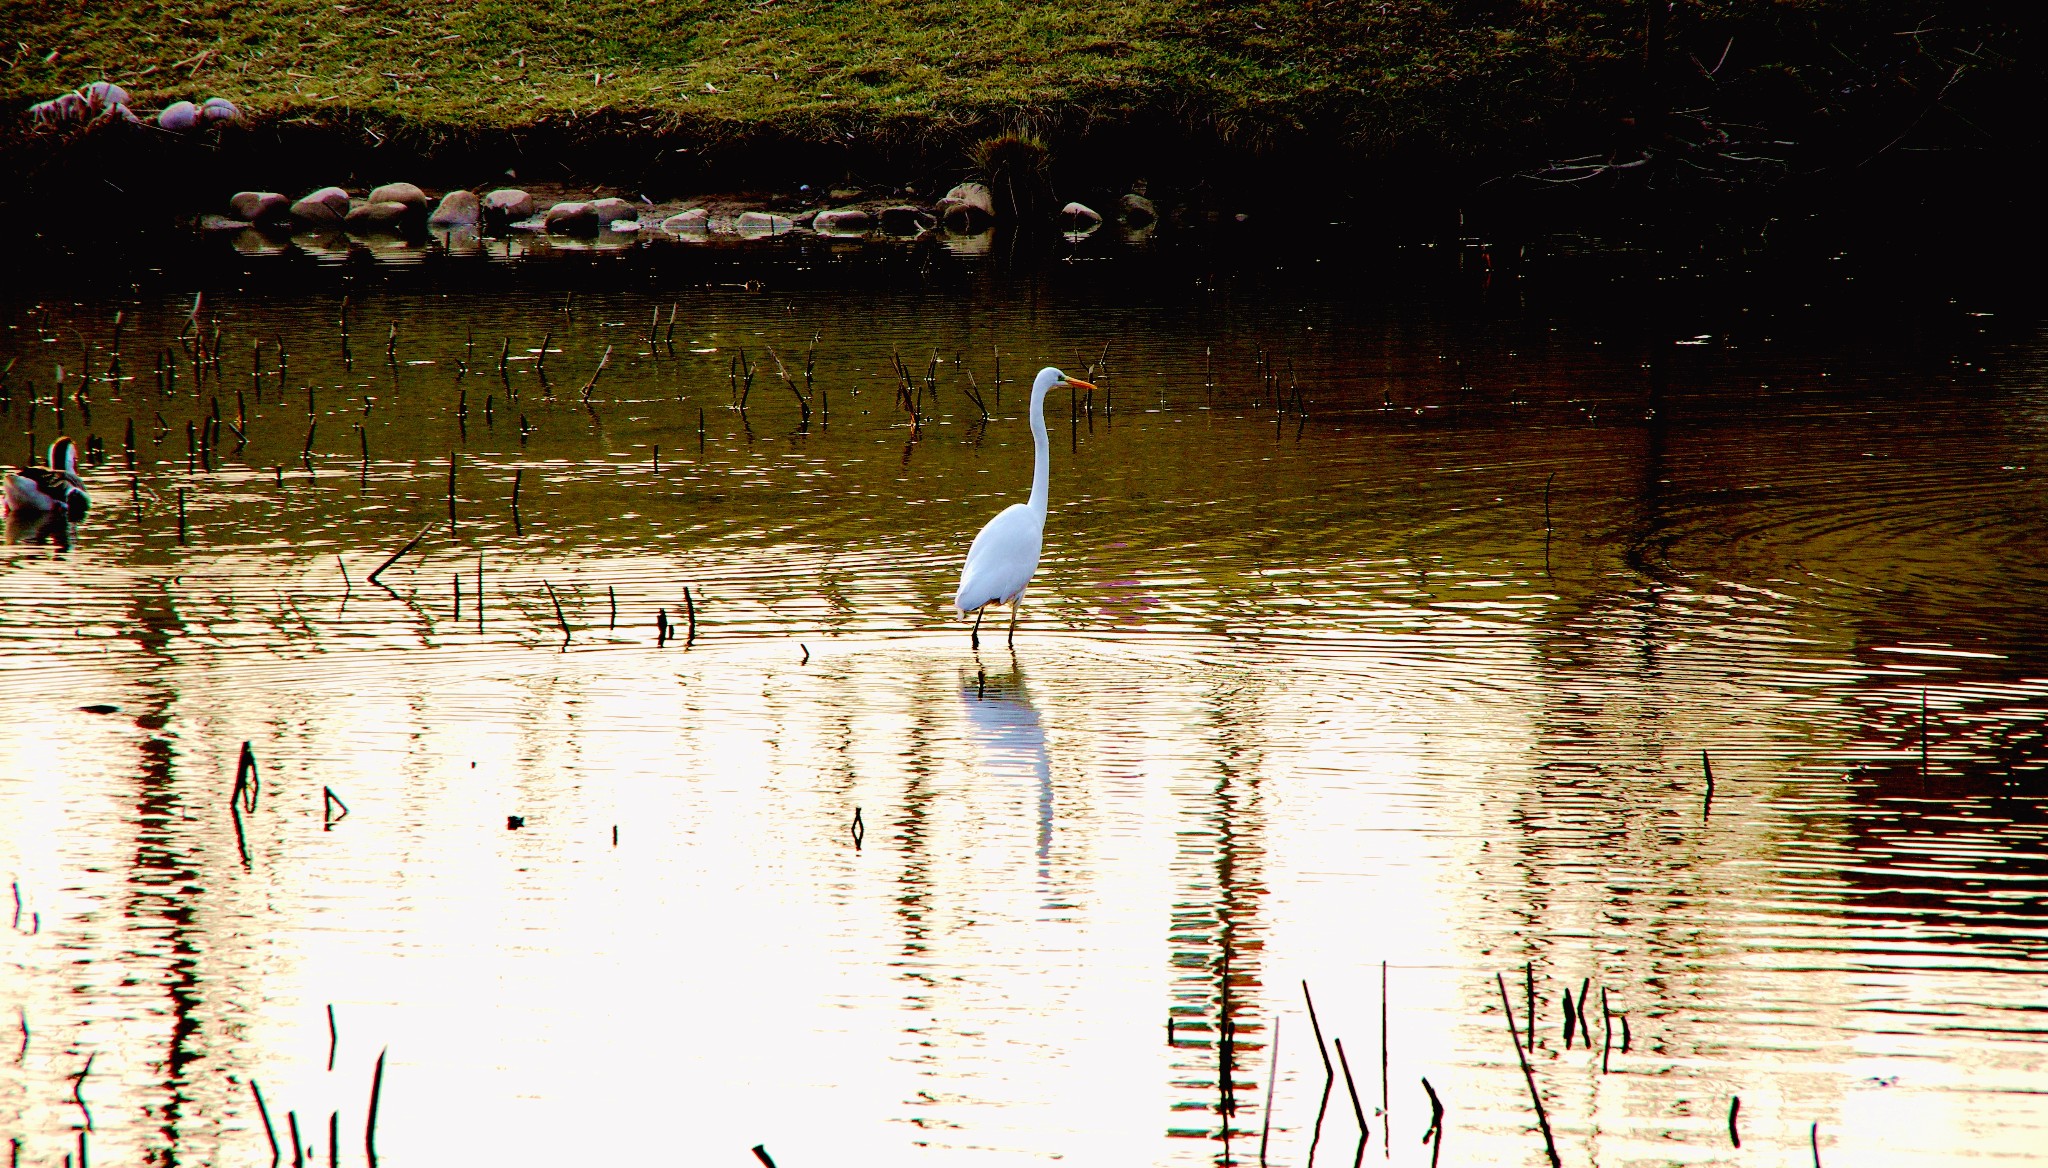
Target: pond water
{"points": [[1387, 623]]}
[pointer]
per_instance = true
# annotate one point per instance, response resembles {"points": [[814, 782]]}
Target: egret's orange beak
{"points": [[1076, 382]]}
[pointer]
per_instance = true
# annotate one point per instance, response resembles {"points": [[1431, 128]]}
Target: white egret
{"points": [[1004, 555]]}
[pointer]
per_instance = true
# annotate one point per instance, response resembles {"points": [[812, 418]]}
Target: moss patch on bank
{"points": [[1513, 79]]}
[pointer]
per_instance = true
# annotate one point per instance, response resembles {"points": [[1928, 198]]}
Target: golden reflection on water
{"points": [[1295, 695]]}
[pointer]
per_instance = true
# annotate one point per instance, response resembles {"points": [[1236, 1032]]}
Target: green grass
{"points": [[1456, 76]]}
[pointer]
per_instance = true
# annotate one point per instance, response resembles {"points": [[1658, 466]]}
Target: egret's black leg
{"points": [[975, 636], [1012, 638]]}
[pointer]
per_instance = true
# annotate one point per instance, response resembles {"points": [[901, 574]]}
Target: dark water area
{"points": [[1394, 601]]}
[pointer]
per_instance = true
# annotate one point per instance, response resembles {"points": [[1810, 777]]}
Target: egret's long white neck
{"points": [[1041, 467]]}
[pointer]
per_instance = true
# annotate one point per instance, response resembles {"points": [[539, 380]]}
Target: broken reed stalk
{"points": [[181, 515], [334, 1139], [1435, 1135], [602, 363], [761, 1154], [1813, 1134], [1529, 1076], [451, 491], [1329, 1073], [1272, 1076], [1357, 1109], [803, 402], [269, 1132], [1734, 1112], [690, 611], [974, 395], [409, 545], [333, 1036], [376, 1092], [613, 593], [298, 1145], [559, 618]]}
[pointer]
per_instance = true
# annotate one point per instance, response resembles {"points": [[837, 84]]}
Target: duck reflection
{"points": [[40, 527], [1011, 741]]}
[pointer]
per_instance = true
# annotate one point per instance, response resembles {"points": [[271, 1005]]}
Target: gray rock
{"points": [[104, 94], [507, 205], [968, 207], [314, 211], [1137, 210], [219, 109], [755, 224], [572, 219], [844, 194], [334, 197], [179, 116], [258, 206], [402, 192], [1079, 219], [905, 220], [695, 221], [849, 221], [386, 216], [457, 209], [610, 211]]}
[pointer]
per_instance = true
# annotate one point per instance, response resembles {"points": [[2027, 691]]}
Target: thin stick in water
{"points": [[1529, 1076], [1272, 1076], [1435, 1135], [409, 545], [1734, 1112], [1329, 1075], [1707, 805], [559, 618], [1606, 1030], [376, 1092], [269, 1132], [333, 1033], [1357, 1109], [1386, 1101]]}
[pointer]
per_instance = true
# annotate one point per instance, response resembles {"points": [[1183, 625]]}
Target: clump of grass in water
{"points": [[1017, 169]]}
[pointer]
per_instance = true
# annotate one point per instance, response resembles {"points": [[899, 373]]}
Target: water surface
{"points": [[1384, 620]]}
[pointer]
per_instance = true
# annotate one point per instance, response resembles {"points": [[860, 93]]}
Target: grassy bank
{"points": [[1724, 88]]}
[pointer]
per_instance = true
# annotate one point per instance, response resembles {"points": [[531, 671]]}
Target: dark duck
{"points": [[36, 493]]}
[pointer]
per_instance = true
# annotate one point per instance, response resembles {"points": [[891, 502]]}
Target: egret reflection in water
{"points": [[1010, 739]]}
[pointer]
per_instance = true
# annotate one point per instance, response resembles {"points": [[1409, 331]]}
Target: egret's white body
{"points": [[1004, 555]]}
